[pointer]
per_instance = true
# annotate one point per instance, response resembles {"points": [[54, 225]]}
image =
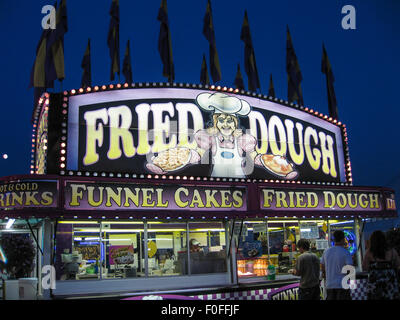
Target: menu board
{"points": [[249, 249], [321, 244], [121, 255], [260, 228], [91, 252], [174, 131], [309, 230]]}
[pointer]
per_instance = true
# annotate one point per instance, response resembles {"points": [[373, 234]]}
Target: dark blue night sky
{"points": [[364, 61]]}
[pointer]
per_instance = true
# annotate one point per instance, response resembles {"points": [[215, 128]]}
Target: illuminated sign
{"points": [[309, 230], [28, 194], [193, 197], [201, 133], [390, 204], [3, 257], [350, 241], [41, 142], [321, 200], [121, 254], [129, 196], [289, 292]]}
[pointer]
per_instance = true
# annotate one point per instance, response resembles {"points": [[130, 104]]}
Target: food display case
{"points": [[253, 267], [270, 246]]}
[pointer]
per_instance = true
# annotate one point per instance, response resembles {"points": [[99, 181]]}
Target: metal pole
{"points": [[358, 241], [101, 241], [189, 271], [53, 228], [146, 252], [234, 251], [229, 260], [54, 242], [34, 237], [48, 246], [362, 238], [240, 235], [39, 260]]}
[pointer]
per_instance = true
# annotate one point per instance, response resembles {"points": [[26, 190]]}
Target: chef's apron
{"points": [[227, 162]]}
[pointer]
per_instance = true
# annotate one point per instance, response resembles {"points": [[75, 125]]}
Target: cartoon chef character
{"points": [[233, 152], [228, 144]]}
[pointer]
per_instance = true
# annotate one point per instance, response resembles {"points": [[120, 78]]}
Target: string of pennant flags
{"points": [[49, 62]]}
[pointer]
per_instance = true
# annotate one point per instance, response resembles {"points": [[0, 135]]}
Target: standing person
{"points": [[382, 264], [332, 262], [307, 267], [194, 246]]}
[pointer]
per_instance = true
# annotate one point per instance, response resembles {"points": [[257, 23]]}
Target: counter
{"points": [[285, 287]]}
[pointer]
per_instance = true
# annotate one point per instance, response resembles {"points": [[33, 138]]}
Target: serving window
{"points": [[77, 245], [122, 249], [268, 248], [207, 244], [111, 249], [98, 250]]}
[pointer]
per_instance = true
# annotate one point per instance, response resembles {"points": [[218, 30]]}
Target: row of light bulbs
{"points": [[363, 216], [200, 86], [45, 99]]}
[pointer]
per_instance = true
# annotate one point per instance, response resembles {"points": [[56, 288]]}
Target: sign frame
{"points": [[388, 208], [66, 111], [29, 193]]}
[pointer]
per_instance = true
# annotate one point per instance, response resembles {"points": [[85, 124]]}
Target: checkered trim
{"points": [[237, 295], [360, 293]]}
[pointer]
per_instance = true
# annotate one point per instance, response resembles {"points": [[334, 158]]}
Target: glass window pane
{"points": [[252, 254], [316, 231], [11, 231], [207, 244], [122, 249], [78, 250], [166, 248]]}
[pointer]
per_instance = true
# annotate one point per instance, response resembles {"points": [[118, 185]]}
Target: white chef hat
{"points": [[223, 103]]}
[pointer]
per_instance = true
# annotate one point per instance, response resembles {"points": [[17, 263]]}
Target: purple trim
{"points": [[64, 241], [164, 296], [166, 197], [253, 201], [278, 290], [318, 191]]}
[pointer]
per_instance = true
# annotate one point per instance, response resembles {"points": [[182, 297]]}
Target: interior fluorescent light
{"points": [[343, 222], [104, 222], [78, 222], [205, 229], [10, 223], [94, 230]]}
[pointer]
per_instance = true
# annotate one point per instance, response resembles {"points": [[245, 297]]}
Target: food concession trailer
{"points": [[126, 178]]}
